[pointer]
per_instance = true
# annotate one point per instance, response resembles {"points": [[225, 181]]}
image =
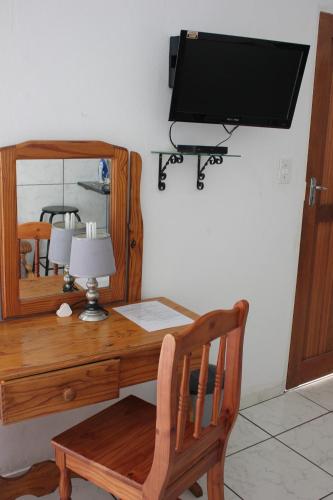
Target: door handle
{"points": [[313, 189]]}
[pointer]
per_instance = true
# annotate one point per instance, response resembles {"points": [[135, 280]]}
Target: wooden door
{"points": [[311, 350]]}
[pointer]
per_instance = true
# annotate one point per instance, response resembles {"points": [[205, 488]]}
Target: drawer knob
{"points": [[69, 394]]}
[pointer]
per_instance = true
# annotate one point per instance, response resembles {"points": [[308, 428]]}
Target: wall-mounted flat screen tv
{"points": [[236, 80]]}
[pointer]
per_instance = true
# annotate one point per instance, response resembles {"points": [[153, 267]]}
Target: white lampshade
{"points": [[61, 242], [92, 258]]}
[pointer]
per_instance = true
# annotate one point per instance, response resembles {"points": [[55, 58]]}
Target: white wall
{"points": [[98, 69]]}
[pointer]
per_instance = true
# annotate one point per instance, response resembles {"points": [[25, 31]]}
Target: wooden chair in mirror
{"points": [[36, 231]]}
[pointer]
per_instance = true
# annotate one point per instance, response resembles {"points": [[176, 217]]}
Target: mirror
{"points": [[46, 189], [35, 174]]}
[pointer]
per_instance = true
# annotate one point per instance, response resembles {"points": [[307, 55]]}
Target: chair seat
{"points": [[121, 438]]}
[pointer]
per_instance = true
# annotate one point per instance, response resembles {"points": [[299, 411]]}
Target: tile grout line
{"points": [[287, 446], [246, 418], [250, 446], [326, 496], [271, 436], [307, 459], [256, 425], [263, 401], [300, 425], [290, 429], [279, 396], [238, 496], [275, 437], [309, 399]]}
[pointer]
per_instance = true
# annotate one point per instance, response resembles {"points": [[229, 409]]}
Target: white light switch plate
{"points": [[284, 171]]}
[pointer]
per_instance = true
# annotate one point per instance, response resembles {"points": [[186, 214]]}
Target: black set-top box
{"points": [[204, 150]]}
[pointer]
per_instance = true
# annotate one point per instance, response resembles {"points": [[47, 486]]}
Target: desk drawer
{"points": [[59, 390]]}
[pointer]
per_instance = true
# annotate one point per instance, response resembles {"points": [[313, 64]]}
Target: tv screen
{"points": [[229, 79]]}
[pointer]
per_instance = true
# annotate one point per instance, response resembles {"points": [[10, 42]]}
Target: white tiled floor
{"points": [[320, 392], [272, 471], [281, 449], [282, 413], [245, 434], [314, 441]]}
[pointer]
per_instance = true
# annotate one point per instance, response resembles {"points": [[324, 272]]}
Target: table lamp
{"points": [[60, 246], [92, 257]]}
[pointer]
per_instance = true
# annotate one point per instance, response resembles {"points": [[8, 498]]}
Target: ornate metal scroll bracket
{"points": [[212, 160], [173, 159]]}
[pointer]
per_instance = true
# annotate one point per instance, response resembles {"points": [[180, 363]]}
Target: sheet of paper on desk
{"points": [[153, 315]]}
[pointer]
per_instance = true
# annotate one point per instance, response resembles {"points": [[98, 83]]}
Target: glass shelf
{"points": [[97, 187], [177, 158]]}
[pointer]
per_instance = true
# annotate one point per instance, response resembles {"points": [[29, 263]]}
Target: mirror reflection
{"points": [[46, 191]]}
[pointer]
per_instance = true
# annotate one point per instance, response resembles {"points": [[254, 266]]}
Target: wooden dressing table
{"points": [[50, 364]]}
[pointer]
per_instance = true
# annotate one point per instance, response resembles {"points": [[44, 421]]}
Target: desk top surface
{"points": [[41, 344]]}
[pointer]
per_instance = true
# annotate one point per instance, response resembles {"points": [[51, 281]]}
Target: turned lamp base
{"points": [[97, 314], [93, 311], [69, 280]]}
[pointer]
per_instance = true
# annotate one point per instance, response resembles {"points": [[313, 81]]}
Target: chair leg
{"points": [[196, 490], [215, 486], [47, 262], [65, 484]]}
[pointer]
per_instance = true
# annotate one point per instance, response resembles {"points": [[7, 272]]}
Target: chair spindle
{"points": [[203, 377], [183, 402], [218, 382], [37, 258]]}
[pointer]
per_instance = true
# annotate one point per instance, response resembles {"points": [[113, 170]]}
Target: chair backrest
{"points": [[36, 231], [183, 451]]}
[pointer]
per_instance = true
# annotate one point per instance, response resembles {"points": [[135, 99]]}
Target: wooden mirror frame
{"points": [[126, 233]]}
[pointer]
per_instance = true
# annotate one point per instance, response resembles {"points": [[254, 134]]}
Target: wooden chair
{"points": [[36, 231], [135, 450], [25, 268]]}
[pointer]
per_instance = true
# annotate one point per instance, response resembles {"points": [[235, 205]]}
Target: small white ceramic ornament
{"points": [[64, 311]]}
